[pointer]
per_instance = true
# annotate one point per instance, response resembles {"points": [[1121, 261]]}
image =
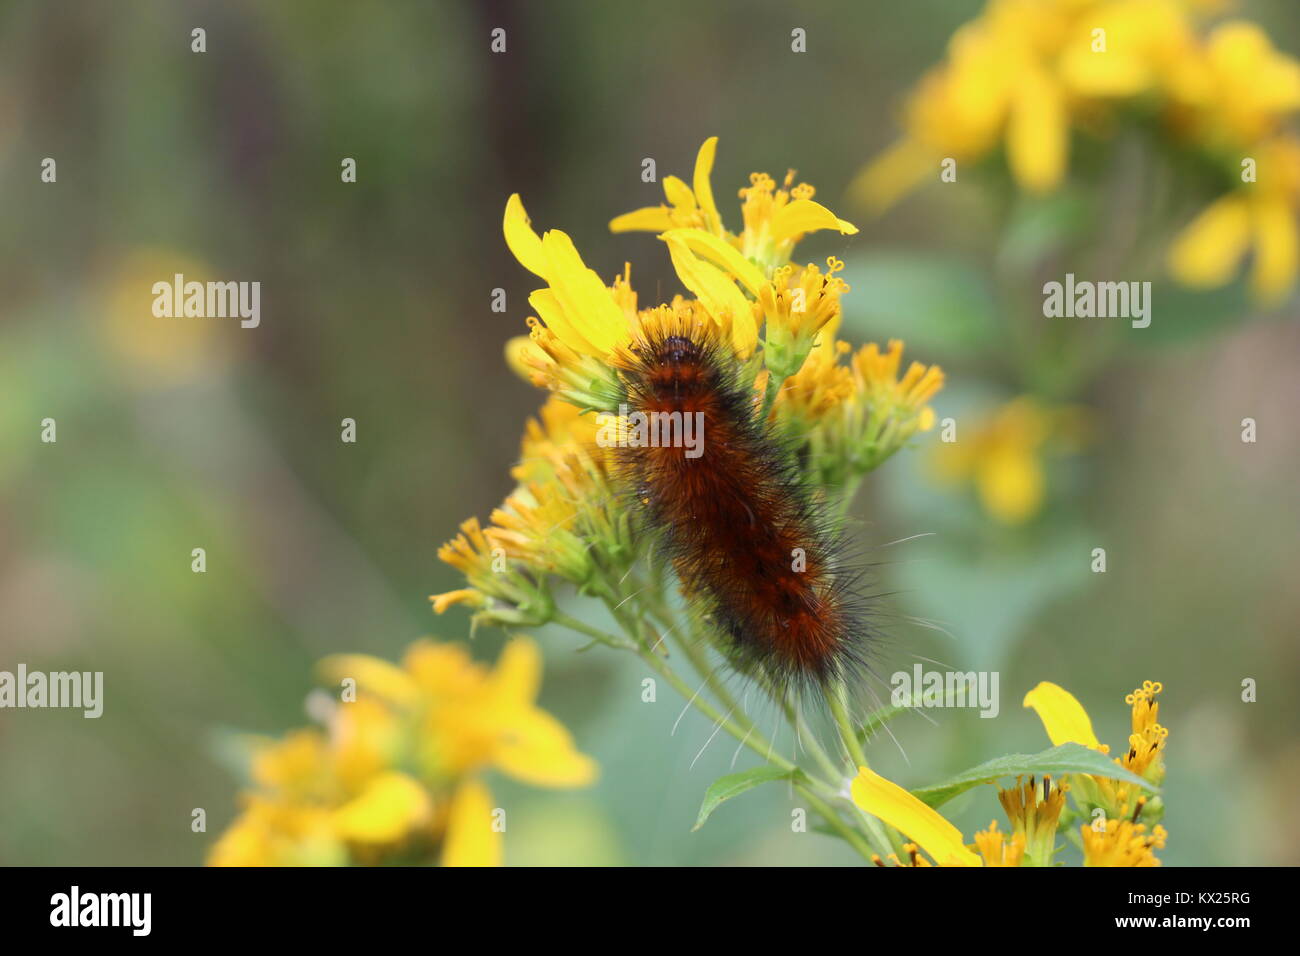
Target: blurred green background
{"points": [[176, 434]]}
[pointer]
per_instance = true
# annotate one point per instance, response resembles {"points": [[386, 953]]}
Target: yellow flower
{"points": [[395, 776], [474, 719], [996, 85], [797, 304], [584, 324], [1246, 89], [387, 808], [823, 385], [898, 402], [155, 352], [728, 271], [563, 519], [576, 305], [774, 220], [498, 592], [927, 828], [1263, 216], [1065, 720], [1147, 741], [1034, 812], [274, 833], [856, 413], [997, 850], [1121, 843], [1003, 456], [1024, 71]]}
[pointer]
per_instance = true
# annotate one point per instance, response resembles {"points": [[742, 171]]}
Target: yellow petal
{"points": [[587, 302], [647, 219], [1207, 252], [679, 194], [1037, 134], [1275, 250], [372, 674], [537, 749], [723, 255], [803, 215], [391, 806], [518, 673], [471, 839], [470, 596], [893, 174], [519, 349], [704, 187], [720, 295], [1112, 73], [521, 238], [1063, 717], [548, 308], [921, 823]]}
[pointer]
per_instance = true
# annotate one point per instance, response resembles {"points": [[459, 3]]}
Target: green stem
{"points": [[835, 697], [837, 823]]}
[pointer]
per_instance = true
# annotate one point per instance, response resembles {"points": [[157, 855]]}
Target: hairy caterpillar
{"points": [[736, 517]]}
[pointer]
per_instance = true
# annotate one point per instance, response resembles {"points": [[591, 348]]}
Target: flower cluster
{"points": [[395, 773], [850, 410], [1025, 73], [1120, 819]]}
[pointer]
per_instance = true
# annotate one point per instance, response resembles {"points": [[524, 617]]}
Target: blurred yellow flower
{"points": [[395, 775], [1003, 456], [1263, 217], [159, 352], [1246, 90], [1025, 72]]}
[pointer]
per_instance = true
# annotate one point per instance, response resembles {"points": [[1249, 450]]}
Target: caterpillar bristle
{"points": [[754, 552]]}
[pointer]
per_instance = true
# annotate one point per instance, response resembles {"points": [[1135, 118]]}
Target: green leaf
{"points": [[1067, 758], [733, 785], [878, 718], [884, 715], [1041, 226]]}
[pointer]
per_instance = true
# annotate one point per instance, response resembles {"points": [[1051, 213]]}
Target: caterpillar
{"points": [[734, 516]]}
